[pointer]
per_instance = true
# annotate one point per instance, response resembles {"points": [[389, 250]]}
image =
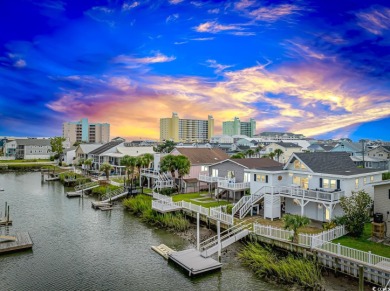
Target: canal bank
{"points": [[78, 248]]}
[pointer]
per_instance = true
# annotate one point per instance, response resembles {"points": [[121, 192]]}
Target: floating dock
{"points": [[192, 261], [18, 242]]}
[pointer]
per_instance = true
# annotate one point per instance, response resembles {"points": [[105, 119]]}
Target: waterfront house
{"points": [[97, 155], [200, 159], [83, 149], [229, 178], [29, 148], [311, 184], [381, 152]]}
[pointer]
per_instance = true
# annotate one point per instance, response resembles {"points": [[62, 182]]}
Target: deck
{"points": [[22, 242], [4, 221], [165, 206], [193, 262]]}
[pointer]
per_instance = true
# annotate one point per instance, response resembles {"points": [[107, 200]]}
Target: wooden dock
{"points": [[4, 221], [192, 261], [18, 242]]}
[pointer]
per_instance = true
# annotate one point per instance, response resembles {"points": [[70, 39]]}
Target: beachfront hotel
{"points": [[83, 131], [186, 130], [237, 127]]}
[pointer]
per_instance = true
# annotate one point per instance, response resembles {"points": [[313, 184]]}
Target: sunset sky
{"points": [[320, 68]]}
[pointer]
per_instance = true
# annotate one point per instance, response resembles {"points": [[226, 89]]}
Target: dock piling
{"points": [[361, 278], [197, 232], [219, 239]]}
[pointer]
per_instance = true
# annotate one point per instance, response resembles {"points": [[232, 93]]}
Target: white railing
{"points": [[240, 203], [309, 194], [218, 214], [234, 185], [223, 235], [252, 200], [197, 208], [210, 179], [165, 205], [85, 186], [113, 193], [159, 196], [150, 173], [308, 240], [365, 257], [272, 232]]}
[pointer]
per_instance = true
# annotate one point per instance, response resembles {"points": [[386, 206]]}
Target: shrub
{"points": [[290, 270]]}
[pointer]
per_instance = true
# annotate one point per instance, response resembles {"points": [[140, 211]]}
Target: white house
{"points": [[288, 149], [29, 148], [311, 184]]}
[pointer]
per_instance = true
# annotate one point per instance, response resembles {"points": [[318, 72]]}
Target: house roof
{"points": [[259, 163], [33, 142], [135, 151], [335, 163], [354, 146], [105, 147], [288, 144], [203, 155], [89, 147]]}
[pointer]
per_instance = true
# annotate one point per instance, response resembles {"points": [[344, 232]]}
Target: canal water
{"points": [[78, 248]]}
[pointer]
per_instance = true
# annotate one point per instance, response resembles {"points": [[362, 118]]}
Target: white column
{"points": [[197, 232], [302, 207], [219, 239]]}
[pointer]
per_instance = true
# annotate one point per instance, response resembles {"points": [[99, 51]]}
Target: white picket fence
{"points": [[308, 240], [358, 255]]}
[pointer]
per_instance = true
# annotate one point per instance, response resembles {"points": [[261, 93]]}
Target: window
{"points": [[214, 173], [325, 183], [230, 174], [296, 180], [247, 177], [297, 164], [364, 181], [332, 184], [356, 183], [372, 179], [204, 168], [261, 178]]}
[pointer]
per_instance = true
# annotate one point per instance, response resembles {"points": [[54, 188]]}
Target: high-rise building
{"points": [[186, 130], [82, 131], [237, 127]]}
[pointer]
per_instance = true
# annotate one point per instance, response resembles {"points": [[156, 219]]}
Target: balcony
{"points": [[230, 185], [331, 196], [210, 179]]}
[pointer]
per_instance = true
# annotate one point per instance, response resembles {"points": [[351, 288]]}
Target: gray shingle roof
{"points": [[288, 145], [105, 147], [336, 163]]}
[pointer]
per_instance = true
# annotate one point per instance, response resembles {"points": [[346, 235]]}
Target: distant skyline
{"points": [[319, 68]]}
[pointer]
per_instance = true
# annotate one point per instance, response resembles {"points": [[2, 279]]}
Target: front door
{"points": [[304, 183]]}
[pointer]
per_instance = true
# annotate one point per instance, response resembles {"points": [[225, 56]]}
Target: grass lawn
{"points": [[362, 243], [190, 196], [23, 161]]}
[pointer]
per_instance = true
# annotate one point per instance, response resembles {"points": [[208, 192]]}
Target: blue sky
{"points": [[320, 68]]}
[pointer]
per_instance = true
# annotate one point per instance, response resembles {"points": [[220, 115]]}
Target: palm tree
{"points": [[88, 163], [294, 222], [146, 159], [129, 163], [183, 166], [238, 156], [249, 153], [168, 164], [106, 168], [257, 150], [278, 153], [271, 155]]}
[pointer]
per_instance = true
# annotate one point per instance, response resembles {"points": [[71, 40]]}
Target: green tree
{"points": [[295, 222], [168, 164], [238, 156], [88, 164], [106, 168], [56, 146], [129, 163], [165, 147], [278, 153], [356, 211], [249, 153], [386, 176], [183, 166], [271, 155]]}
